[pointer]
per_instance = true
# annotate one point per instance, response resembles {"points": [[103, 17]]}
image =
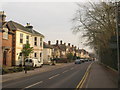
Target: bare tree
{"points": [[97, 20]]}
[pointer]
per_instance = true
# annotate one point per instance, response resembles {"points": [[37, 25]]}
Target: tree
{"points": [[70, 56], [97, 20], [27, 50]]}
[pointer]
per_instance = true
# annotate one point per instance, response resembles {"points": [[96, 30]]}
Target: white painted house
{"points": [[48, 52], [23, 35]]}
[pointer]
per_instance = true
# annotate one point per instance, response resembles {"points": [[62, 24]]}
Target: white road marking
{"points": [[65, 71], [34, 84], [54, 76]]}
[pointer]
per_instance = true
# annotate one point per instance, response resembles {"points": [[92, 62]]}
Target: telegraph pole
{"points": [[117, 33]]}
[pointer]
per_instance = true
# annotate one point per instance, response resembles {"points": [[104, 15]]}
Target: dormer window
{"points": [[5, 33]]}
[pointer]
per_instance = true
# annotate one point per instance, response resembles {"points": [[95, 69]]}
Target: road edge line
{"points": [[81, 83]]}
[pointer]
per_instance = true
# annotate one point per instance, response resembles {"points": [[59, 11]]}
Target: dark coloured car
{"points": [[77, 61], [86, 60]]}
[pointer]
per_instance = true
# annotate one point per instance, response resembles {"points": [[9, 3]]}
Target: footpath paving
{"points": [[45, 68], [101, 77]]}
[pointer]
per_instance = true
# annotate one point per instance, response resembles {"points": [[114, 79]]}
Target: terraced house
{"points": [[48, 52], [23, 35]]}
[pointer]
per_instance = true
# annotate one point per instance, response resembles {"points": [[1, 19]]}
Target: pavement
{"points": [[68, 76], [45, 68], [101, 76]]}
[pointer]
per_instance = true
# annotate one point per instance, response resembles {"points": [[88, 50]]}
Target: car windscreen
{"points": [[77, 60]]}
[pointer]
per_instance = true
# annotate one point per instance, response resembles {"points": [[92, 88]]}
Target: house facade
{"points": [[6, 38], [23, 35], [48, 52]]}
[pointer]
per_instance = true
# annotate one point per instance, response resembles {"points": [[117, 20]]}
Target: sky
{"points": [[52, 19]]}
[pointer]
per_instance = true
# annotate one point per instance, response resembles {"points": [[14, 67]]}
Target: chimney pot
{"points": [[2, 16], [29, 26]]}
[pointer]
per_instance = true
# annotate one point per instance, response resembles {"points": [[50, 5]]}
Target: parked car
{"points": [[33, 62], [77, 61], [49, 62], [86, 60], [82, 60]]}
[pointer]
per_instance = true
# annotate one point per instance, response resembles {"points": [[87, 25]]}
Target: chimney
{"points": [[68, 44], [2, 16], [29, 26], [72, 46], [49, 42], [65, 44], [57, 42], [75, 48], [61, 42]]}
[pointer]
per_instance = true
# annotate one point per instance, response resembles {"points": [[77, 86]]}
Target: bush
{"points": [[29, 68], [11, 70]]}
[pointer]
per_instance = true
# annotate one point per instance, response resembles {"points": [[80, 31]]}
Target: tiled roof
{"points": [[14, 25], [60, 47], [45, 45]]}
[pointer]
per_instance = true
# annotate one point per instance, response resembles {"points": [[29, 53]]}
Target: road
{"points": [[65, 77]]}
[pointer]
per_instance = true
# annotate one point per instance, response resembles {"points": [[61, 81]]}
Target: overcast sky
{"points": [[52, 19]]}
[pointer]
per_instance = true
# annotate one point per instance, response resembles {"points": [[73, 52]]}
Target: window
{"points": [[35, 41], [27, 39], [20, 54], [35, 55], [21, 38], [41, 42], [5, 34], [40, 54]]}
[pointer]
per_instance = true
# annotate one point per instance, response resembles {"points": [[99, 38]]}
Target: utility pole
{"points": [[118, 37]]}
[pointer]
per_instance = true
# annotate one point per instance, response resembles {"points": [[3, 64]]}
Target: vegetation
{"points": [[97, 21], [70, 56], [27, 50], [6, 70]]}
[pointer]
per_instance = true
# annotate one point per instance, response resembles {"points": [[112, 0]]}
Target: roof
{"points": [[60, 47], [14, 25], [45, 45]]}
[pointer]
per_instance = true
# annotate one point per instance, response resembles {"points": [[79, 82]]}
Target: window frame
{"points": [[35, 41], [27, 38], [21, 38]]}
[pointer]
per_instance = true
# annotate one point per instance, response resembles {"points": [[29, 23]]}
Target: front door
{"points": [[4, 57]]}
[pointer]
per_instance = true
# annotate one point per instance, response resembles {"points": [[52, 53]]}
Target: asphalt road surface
{"points": [[65, 77]]}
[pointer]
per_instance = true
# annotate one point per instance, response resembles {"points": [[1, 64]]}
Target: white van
{"points": [[33, 62]]}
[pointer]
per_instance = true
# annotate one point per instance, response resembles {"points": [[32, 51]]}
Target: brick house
{"points": [[6, 37]]}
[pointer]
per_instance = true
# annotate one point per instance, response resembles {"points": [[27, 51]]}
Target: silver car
{"points": [[77, 61]]}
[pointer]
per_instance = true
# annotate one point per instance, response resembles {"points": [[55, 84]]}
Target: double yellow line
{"points": [[81, 83]]}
